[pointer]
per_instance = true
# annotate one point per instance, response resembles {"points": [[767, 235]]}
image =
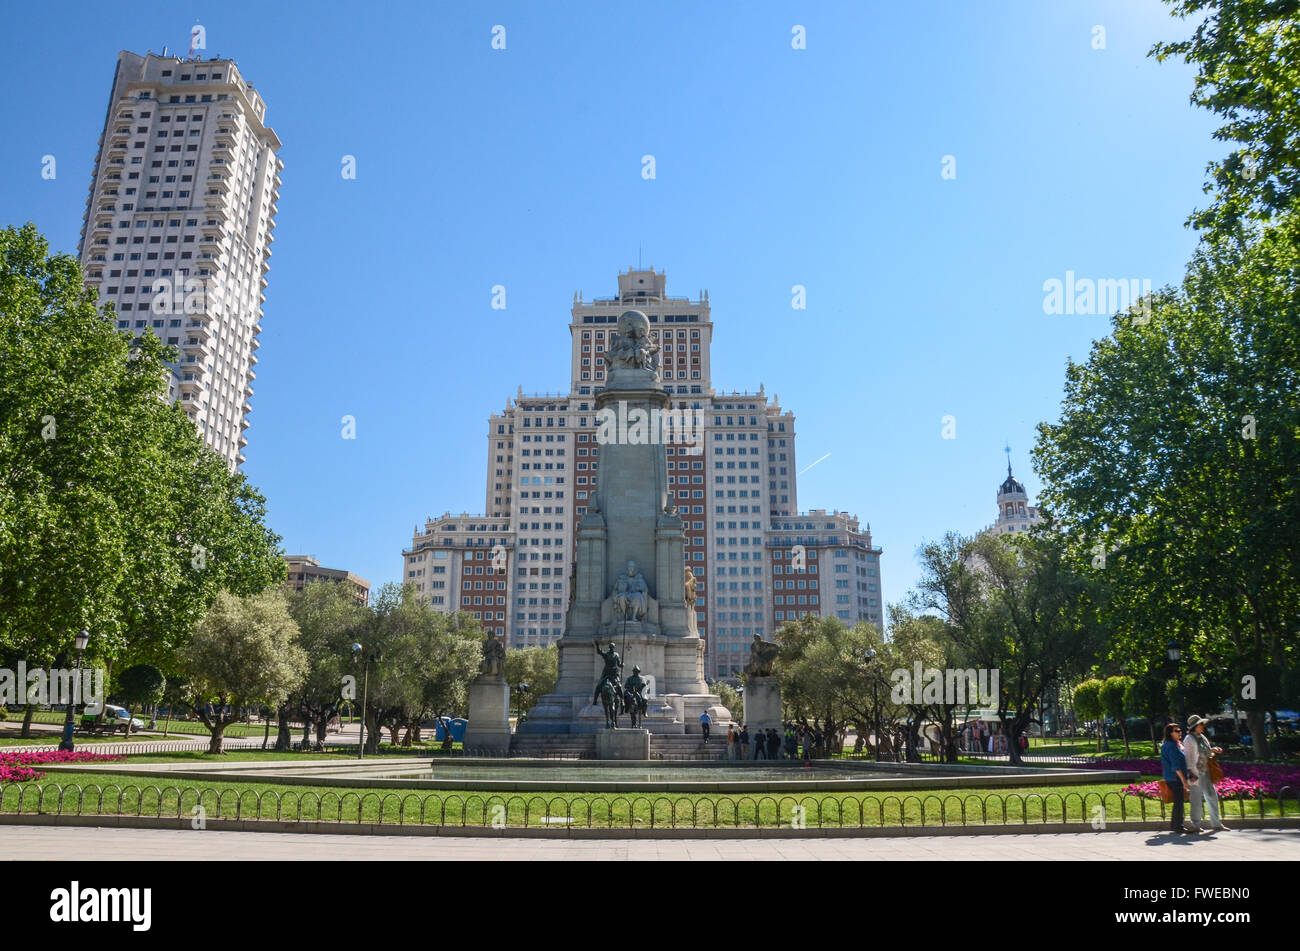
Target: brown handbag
{"points": [[1216, 771], [1167, 794]]}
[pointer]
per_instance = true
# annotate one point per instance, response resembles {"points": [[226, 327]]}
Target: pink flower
{"points": [[15, 765]]}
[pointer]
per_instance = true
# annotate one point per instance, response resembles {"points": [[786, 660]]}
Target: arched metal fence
{"points": [[609, 811]]}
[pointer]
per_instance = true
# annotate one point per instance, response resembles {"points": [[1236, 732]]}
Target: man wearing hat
{"points": [[1198, 751]]}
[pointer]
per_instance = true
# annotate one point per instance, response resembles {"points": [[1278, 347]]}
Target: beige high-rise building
{"points": [[304, 570], [733, 483], [178, 227]]}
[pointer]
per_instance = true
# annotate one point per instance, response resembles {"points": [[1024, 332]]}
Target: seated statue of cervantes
{"points": [[631, 596]]}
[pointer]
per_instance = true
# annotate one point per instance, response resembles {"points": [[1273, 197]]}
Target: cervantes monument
{"points": [[632, 587]]}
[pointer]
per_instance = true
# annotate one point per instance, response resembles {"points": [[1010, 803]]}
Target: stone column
{"points": [[488, 731], [763, 703]]}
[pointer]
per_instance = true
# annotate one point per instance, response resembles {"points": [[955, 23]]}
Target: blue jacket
{"points": [[1171, 760]]}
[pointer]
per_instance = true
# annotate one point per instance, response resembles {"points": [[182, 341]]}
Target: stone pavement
{"points": [[74, 843]]}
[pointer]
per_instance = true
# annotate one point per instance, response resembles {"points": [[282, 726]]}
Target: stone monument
{"points": [[762, 689], [488, 730], [631, 585]]}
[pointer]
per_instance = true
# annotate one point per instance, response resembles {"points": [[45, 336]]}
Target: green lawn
{"points": [[1138, 749], [185, 728], [52, 739], [1032, 804]]}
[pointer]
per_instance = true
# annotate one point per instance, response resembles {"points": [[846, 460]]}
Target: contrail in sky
{"points": [[827, 456]]}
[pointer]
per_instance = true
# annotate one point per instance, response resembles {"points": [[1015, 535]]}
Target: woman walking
{"points": [[1173, 766], [731, 742], [1199, 752]]}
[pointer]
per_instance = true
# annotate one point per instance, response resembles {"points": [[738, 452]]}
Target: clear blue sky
{"points": [[775, 167]]}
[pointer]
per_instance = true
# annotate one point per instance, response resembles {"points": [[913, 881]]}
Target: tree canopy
{"points": [[114, 516]]}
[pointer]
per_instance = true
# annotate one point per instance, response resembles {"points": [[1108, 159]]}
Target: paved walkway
{"points": [[72, 843]]}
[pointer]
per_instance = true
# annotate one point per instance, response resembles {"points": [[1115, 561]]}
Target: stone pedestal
{"points": [[488, 731], [763, 703], [631, 541], [626, 744]]}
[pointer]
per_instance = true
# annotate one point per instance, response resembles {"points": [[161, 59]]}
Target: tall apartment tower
{"points": [[178, 227], [735, 488]]}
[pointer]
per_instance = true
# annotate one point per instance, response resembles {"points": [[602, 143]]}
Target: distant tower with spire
{"points": [[1015, 514]]}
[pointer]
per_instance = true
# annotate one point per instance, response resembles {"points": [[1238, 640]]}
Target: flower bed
{"points": [[16, 767], [1245, 780]]}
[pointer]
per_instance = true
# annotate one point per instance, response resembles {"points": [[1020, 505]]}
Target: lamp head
{"points": [[82, 639]]}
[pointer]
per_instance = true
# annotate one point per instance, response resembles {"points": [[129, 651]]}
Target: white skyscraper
{"points": [[178, 227]]}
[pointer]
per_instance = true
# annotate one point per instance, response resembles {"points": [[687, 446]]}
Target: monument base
{"points": [[623, 744], [488, 730], [763, 703]]}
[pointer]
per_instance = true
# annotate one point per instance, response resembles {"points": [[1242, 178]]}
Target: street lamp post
{"points": [[365, 688], [1176, 655], [80, 642], [875, 705]]}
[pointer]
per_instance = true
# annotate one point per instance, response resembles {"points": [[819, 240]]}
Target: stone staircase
{"points": [[583, 746], [554, 745], [689, 746]]}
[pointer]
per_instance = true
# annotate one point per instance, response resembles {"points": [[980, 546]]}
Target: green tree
{"points": [[244, 652], [140, 686], [329, 622], [114, 516], [427, 661], [1146, 697], [1176, 463], [925, 639], [731, 698], [1018, 607], [1204, 693], [539, 667], [1247, 57], [1087, 701], [1114, 695], [827, 676]]}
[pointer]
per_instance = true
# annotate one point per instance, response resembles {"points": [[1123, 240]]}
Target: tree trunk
{"points": [[1258, 739], [1123, 727], [322, 729], [372, 733], [283, 738], [306, 732], [392, 732], [416, 731], [406, 740], [266, 732], [1012, 732], [218, 730], [913, 739], [28, 710]]}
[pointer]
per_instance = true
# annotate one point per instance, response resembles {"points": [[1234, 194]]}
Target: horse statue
{"points": [[610, 700], [635, 705]]}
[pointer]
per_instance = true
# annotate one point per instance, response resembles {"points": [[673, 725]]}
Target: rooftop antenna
{"points": [[1008, 451]]}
